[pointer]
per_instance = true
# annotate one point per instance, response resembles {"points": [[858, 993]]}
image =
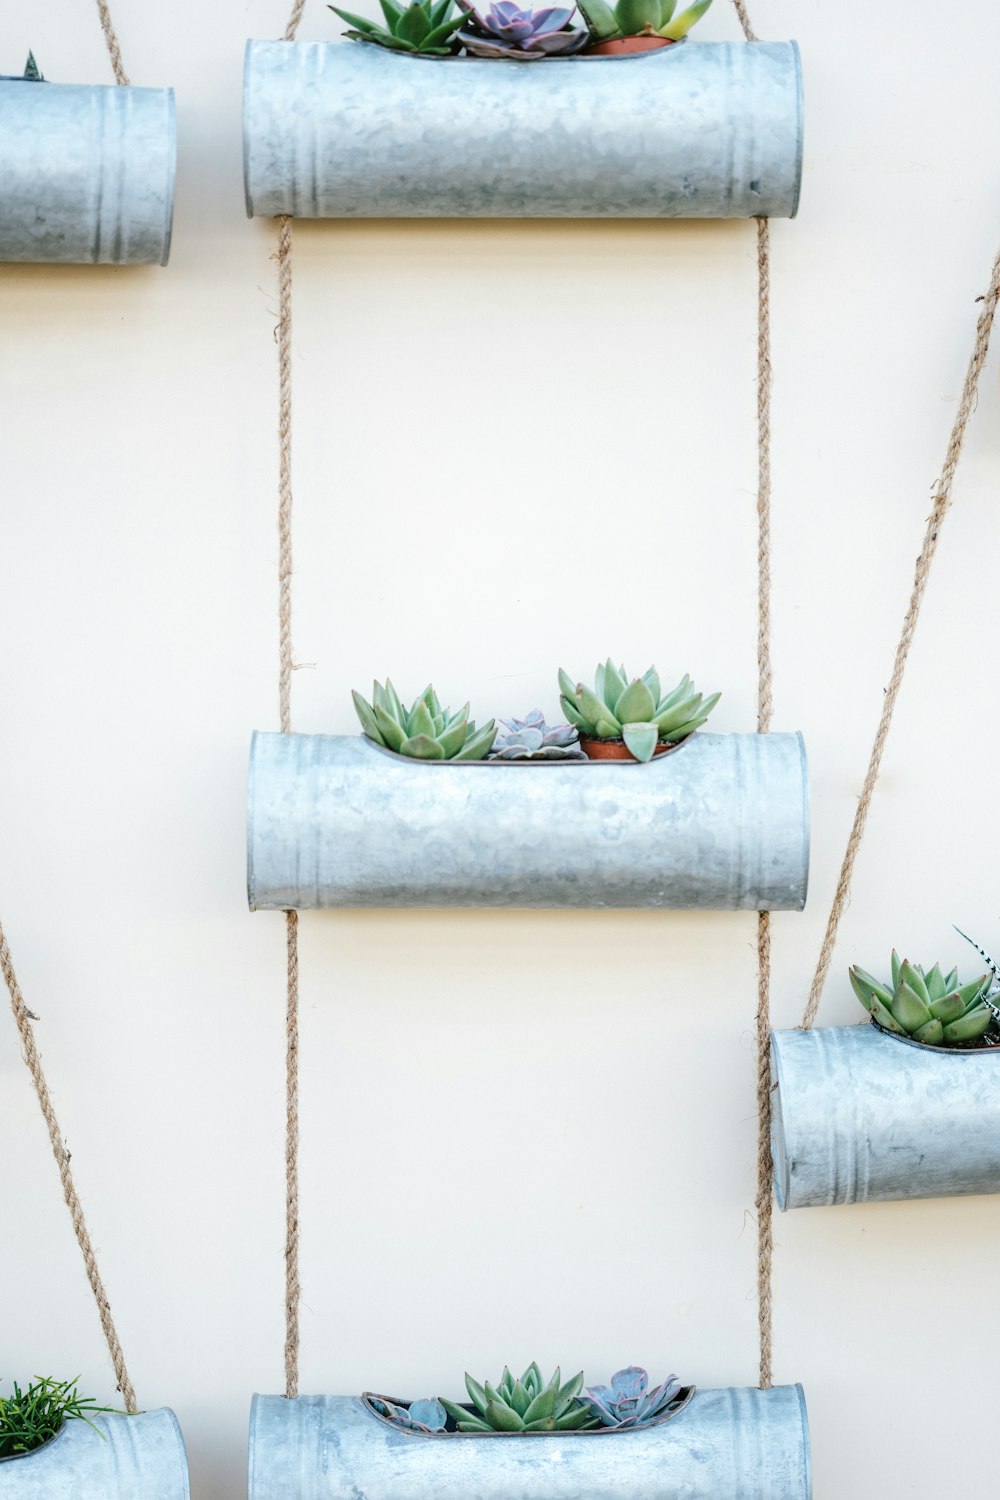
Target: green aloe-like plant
{"points": [[930, 1006], [636, 710], [524, 1405], [425, 731], [30, 1417], [426, 26], [607, 21]]}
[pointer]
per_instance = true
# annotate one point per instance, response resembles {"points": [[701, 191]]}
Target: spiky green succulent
{"points": [[607, 21], [930, 1007], [635, 710], [427, 26], [32, 73], [525, 1405], [426, 730]]}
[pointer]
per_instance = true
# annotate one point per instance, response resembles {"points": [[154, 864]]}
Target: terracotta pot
{"points": [[616, 749], [622, 46]]}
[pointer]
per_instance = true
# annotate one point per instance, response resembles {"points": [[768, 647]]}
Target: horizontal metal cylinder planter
{"points": [[136, 1458], [736, 1444], [859, 1117], [702, 130], [86, 173], [721, 824]]}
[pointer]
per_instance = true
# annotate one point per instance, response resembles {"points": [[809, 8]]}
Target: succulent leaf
{"points": [[678, 29], [618, 700], [636, 705], [916, 1007], [641, 740]]}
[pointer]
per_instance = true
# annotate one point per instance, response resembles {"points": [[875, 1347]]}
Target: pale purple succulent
{"points": [[628, 1401], [531, 738], [505, 30], [426, 1416]]}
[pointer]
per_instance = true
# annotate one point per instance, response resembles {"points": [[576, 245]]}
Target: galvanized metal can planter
{"points": [[703, 130], [722, 824], [136, 1458], [86, 173], [860, 1116], [735, 1444]]}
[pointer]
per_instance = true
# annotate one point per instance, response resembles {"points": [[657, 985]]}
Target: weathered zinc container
{"points": [[722, 822], [858, 1116], [700, 130], [135, 1458], [86, 173], [727, 1445]]}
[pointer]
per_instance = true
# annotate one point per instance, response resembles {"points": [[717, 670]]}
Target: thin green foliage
{"points": [[30, 1417]]}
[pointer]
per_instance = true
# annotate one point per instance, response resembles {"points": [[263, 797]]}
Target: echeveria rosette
{"points": [[531, 738], [425, 1416], [628, 1401], [636, 710], [424, 26], [524, 1405], [425, 731], [508, 31], [607, 21], [931, 1007]]}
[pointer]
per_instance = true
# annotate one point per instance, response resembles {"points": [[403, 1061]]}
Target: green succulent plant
{"points": [[525, 1405], [635, 711], [427, 26], [425, 731], [30, 1417], [605, 21], [930, 1007]]}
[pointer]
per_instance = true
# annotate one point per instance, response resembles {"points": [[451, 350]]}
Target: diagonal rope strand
{"points": [[925, 559], [111, 38], [22, 1019]]}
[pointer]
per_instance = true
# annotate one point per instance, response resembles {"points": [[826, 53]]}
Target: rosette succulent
{"points": [[605, 21], [929, 1006], [426, 26], [426, 731], [531, 738], [426, 1416], [505, 30], [525, 1405], [628, 1401], [636, 710]]}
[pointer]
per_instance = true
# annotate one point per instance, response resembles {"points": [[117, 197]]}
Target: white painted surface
{"points": [[517, 446]]}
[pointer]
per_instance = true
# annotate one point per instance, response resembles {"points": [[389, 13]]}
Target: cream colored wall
{"points": [[517, 445]]}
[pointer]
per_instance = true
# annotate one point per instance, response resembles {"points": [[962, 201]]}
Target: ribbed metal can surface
{"points": [[134, 1458], [722, 823], [732, 1444], [859, 1117], [701, 130], [86, 173]]}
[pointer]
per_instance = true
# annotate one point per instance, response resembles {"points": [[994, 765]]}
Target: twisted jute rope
{"points": [[925, 559], [286, 665], [111, 37], [29, 1049], [765, 707]]}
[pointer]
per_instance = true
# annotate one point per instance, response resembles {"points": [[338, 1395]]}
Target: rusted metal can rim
{"points": [[370, 1397], [973, 1049]]}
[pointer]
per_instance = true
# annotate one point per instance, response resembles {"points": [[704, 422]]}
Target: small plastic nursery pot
{"points": [[859, 1116], [618, 750], [135, 1458], [625, 46], [86, 173], [736, 1443], [334, 820], [349, 130]]}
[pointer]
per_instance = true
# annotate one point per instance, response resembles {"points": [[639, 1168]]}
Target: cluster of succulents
{"points": [[926, 1005], [531, 738], [515, 33], [507, 30], [607, 22], [30, 1417], [426, 731], [530, 1404], [635, 710]]}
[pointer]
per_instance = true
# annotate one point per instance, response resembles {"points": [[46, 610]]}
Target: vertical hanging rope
{"points": [[765, 706], [22, 1019], [925, 559], [293, 1287], [111, 38]]}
